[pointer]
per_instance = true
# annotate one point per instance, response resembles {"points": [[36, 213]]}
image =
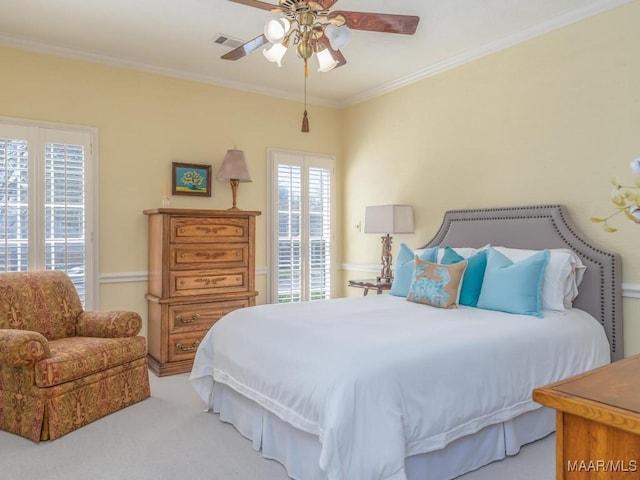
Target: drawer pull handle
{"points": [[211, 281], [193, 318], [205, 255], [209, 229], [192, 348]]}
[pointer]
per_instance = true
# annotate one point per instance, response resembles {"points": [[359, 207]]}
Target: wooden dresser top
{"points": [[617, 384], [610, 394]]}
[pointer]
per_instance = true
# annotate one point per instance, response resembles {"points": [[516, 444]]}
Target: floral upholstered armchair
{"points": [[62, 367]]}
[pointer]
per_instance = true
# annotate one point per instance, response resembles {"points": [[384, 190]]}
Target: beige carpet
{"points": [[169, 436]]}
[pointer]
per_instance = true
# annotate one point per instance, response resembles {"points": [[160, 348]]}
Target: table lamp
{"points": [[388, 219], [234, 168]]}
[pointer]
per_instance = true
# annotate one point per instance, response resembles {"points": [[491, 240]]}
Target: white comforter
{"points": [[380, 378]]}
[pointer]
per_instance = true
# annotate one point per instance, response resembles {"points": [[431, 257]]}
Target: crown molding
{"points": [[22, 44], [489, 48], [555, 23]]}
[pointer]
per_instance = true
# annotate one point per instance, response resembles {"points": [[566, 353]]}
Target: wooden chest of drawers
{"points": [[201, 267]]}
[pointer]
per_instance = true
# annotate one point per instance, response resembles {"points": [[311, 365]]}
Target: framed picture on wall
{"points": [[191, 179]]}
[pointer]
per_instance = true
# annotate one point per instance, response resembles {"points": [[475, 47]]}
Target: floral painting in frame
{"points": [[191, 179]]}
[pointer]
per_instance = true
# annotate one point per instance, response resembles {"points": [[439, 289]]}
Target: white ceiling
{"points": [[176, 37]]}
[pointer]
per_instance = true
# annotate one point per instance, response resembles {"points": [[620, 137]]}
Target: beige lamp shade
{"points": [[388, 219], [234, 166]]}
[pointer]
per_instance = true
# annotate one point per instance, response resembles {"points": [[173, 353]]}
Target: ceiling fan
{"points": [[313, 27]]}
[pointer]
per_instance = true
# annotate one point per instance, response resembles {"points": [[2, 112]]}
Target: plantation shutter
{"points": [[44, 222], [301, 217], [65, 212], [319, 233], [289, 244], [14, 199]]}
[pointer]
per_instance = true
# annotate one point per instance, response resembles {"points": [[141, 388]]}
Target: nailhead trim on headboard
{"points": [[608, 264]]}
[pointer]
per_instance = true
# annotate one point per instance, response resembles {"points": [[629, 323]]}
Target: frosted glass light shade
{"points": [[326, 61], [275, 53], [338, 36], [276, 28]]}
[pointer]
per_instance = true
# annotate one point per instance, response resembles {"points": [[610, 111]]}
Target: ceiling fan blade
{"points": [[246, 48], [257, 4], [379, 22], [326, 4], [336, 54]]}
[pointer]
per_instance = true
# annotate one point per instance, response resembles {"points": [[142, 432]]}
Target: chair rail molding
{"points": [[629, 290], [128, 277]]}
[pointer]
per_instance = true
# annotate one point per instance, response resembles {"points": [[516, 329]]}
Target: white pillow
{"points": [[562, 276], [464, 252]]}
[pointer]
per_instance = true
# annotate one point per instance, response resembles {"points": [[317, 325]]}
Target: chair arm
{"points": [[108, 324], [22, 347]]}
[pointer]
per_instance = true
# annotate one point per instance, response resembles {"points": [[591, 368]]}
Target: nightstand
{"points": [[597, 422], [371, 284]]}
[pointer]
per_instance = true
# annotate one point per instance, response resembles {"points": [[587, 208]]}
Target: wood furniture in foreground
{"points": [[201, 267], [597, 422], [371, 284]]}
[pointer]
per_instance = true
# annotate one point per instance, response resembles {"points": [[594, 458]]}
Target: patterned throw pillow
{"points": [[436, 284]]}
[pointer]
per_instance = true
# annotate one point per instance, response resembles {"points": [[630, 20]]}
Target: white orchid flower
{"points": [[635, 166]]}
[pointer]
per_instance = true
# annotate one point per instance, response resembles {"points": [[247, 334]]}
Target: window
{"points": [[301, 223], [46, 220]]}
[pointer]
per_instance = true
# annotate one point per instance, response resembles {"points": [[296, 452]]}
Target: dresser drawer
{"points": [[184, 256], [183, 346], [201, 316], [203, 282], [209, 230]]}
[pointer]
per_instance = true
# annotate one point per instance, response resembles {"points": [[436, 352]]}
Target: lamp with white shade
{"points": [[388, 219], [234, 168]]}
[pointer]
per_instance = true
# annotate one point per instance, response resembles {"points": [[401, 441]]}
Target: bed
{"points": [[373, 388]]}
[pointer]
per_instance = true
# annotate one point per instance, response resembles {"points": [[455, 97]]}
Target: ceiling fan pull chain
{"points": [[305, 117]]}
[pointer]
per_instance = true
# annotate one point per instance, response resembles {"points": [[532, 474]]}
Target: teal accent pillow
{"points": [[513, 287], [403, 272], [473, 275]]}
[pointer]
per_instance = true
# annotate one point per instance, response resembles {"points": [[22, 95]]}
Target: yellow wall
{"points": [[145, 122], [547, 121]]}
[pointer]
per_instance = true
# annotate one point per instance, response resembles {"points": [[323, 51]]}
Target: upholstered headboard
{"points": [[546, 226]]}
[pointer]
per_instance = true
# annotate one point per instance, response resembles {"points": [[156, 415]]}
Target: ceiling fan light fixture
{"points": [[276, 28], [326, 60], [275, 53], [338, 36]]}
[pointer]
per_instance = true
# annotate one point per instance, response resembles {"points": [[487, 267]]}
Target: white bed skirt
{"points": [[299, 451]]}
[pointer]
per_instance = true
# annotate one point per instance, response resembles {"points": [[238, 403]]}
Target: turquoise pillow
{"points": [[403, 273], [473, 275], [513, 287]]}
